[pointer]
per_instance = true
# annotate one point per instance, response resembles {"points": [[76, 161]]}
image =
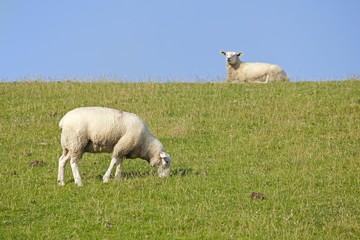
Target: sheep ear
{"points": [[165, 158], [164, 161], [223, 53], [164, 155], [239, 54]]}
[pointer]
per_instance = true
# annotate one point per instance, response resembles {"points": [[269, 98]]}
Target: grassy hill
{"points": [[295, 143]]}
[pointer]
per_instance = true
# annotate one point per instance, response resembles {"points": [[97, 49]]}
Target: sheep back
{"points": [[255, 72], [98, 129]]}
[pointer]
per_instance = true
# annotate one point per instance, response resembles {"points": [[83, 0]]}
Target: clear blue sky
{"points": [[166, 40]]}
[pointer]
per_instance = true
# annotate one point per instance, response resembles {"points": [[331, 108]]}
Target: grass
{"points": [[296, 143]]}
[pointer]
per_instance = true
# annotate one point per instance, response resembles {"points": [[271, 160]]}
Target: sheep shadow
{"points": [[182, 172], [142, 174]]}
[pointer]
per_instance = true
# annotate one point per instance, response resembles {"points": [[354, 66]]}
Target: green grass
{"points": [[297, 143]]}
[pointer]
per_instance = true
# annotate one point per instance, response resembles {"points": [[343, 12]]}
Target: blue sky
{"points": [[176, 40]]}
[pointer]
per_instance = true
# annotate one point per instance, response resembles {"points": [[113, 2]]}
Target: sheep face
{"points": [[231, 57], [164, 165]]}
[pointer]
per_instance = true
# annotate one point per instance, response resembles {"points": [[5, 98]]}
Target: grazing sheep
{"points": [[100, 129], [238, 71]]}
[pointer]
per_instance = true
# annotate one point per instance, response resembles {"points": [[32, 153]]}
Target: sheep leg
{"points": [[75, 170], [118, 168], [267, 78], [114, 161], [121, 149], [62, 163]]}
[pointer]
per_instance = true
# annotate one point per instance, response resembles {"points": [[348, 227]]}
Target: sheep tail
{"points": [[61, 123]]}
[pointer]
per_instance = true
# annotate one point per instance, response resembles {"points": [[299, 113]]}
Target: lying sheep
{"points": [[238, 71], [100, 129]]}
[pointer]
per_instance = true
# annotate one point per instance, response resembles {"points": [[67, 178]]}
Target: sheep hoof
{"points": [[118, 177], [79, 183], [61, 183], [105, 179]]}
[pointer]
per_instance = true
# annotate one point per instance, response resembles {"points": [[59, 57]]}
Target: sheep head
{"points": [[231, 57], [164, 166]]}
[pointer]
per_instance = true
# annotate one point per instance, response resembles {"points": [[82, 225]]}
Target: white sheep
{"points": [[100, 129], [239, 71]]}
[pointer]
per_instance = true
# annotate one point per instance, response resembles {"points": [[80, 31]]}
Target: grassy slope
{"points": [[297, 143]]}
